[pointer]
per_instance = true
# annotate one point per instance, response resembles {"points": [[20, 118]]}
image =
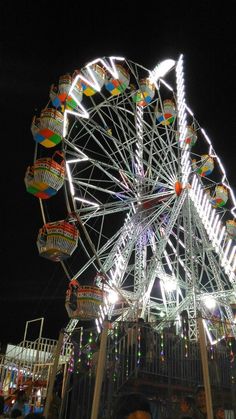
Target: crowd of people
{"points": [[138, 406], [17, 411], [130, 406], [19, 408]]}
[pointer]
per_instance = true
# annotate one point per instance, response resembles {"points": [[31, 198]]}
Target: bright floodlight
{"points": [[162, 69], [112, 297], [209, 302], [170, 285]]}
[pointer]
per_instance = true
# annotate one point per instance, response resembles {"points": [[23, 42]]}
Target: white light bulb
{"points": [[112, 297]]}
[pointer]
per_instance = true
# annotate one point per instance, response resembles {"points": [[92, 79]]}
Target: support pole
{"points": [[100, 371], [53, 373], [64, 393], [65, 379], [205, 369]]}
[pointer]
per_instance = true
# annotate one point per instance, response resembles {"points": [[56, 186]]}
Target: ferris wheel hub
{"points": [[178, 188]]}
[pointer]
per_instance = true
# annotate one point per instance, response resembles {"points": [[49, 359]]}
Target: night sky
{"points": [[40, 43]]}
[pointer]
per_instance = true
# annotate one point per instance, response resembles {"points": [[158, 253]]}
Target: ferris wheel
{"points": [[149, 212]]}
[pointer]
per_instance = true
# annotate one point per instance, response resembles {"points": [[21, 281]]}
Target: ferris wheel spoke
{"points": [[123, 126], [104, 210], [161, 158], [104, 146], [157, 255], [167, 150], [162, 167], [107, 189], [108, 250], [118, 135]]}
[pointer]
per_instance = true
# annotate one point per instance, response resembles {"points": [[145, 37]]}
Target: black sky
{"points": [[41, 42]]}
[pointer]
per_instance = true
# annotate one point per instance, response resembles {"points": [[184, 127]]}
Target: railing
{"points": [[30, 360], [138, 352]]}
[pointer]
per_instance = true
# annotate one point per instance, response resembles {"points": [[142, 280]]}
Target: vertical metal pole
{"points": [[37, 359], [41, 328], [64, 393], [205, 369], [100, 371], [25, 332], [32, 321], [65, 375], [53, 374]]}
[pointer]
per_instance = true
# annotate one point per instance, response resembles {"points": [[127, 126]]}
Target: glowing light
{"points": [[212, 232], [112, 297], [211, 220], [161, 70], [83, 114], [221, 235], [102, 312], [87, 202], [198, 192], [207, 332], [208, 210], [232, 254], [204, 204], [209, 302], [98, 326], [105, 309], [167, 85], [181, 106], [82, 157], [200, 199], [194, 184], [72, 190], [93, 82], [116, 275], [168, 261], [189, 110], [169, 285], [216, 232], [226, 253]]}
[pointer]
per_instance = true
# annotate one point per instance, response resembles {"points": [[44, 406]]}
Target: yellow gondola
{"points": [[119, 85], [96, 72], [48, 128], [60, 96], [46, 176]]}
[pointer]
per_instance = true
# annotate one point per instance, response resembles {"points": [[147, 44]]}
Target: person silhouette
{"points": [[187, 407], [2, 406], [132, 406]]}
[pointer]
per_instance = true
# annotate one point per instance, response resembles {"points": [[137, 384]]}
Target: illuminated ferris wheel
{"points": [[149, 212]]}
